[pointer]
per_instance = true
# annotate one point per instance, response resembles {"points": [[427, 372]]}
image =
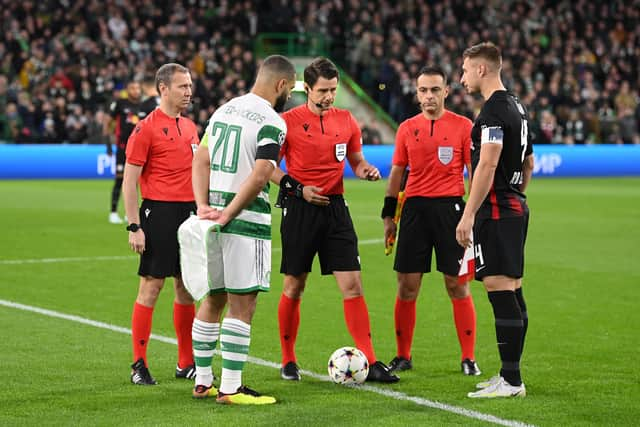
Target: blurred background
{"points": [[574, 63]]}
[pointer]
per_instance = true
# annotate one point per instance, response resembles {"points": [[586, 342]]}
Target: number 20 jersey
{"points": [[239, 132], [503, 120]]}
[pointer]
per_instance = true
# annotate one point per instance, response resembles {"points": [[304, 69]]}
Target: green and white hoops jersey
{"points": [[233, 137]]}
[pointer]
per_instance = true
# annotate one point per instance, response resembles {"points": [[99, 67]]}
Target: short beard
{"points": [[281, 100]]}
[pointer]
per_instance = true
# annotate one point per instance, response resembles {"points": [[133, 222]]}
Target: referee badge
{"points": [[445, 155], [341, 151]]}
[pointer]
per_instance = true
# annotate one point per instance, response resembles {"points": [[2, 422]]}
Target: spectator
{"points": [[76, 125], [571, 53], [574, 130], [28, 114], [49, 133], [549, 131], [12, 124], [626, 104], [94, 126], [371, 134]]}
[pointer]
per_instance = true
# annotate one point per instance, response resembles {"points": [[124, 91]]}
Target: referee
{"points": [[315, 215], [159, 156], [497, 213], [435, 145]]}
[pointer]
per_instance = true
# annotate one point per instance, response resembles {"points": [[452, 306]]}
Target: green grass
{"points": [[581, 285]]}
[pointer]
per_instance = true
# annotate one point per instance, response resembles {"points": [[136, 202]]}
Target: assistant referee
{"points": [[159, 156]]}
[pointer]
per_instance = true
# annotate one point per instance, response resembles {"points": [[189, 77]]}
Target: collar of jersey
{"points": [[165, 116], [260, 98]]}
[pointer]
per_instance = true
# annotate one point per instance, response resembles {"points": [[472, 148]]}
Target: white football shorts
{"points": [[220, 262]]}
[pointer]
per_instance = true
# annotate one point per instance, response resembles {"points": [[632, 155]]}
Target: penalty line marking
{"points": [[381, 391], [117, 257]]}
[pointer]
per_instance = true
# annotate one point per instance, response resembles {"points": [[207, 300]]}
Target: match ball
{"points": [[348, 365]]}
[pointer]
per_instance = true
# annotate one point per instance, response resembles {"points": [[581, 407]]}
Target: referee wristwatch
{"points": [[133, 227]]}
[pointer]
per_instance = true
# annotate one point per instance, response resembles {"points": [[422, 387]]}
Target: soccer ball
{"points": [[348, 365]]}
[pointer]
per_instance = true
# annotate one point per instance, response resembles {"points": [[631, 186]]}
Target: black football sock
{"points": [[525, 317], [115, 194], [508, 321]]}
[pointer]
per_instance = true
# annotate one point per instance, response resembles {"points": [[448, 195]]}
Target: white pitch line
{"points": [[67, 259], [117, 257], [381, 391]]}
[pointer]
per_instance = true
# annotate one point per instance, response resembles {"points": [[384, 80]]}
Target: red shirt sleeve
{"points": [[139, 144], [400, 155]]}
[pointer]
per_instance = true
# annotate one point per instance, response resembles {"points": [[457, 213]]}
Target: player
{"points": [[126, 113], [150, 96], [315, 216], [159, 156], [496, 214], [231, 174], [435, 145]]}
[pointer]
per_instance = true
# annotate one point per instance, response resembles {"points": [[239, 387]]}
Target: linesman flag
{"points": [[388, 245], [467, 264]]}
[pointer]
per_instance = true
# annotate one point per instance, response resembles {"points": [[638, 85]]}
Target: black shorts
{"points": [[499, 246], [121, 158], [425, 224], [307, 229], [160, 222]]}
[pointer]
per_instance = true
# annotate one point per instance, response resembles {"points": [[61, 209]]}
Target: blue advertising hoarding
{"points": [[55, 161]]}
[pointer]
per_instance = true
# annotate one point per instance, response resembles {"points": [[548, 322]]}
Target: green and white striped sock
{"points": [[235, 337], [205, 337]]}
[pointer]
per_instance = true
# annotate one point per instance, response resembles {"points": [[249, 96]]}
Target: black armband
{"points": [[389, 208], [291, 187]]}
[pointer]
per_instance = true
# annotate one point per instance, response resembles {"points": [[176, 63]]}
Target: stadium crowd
{"points": [[574, 63]]}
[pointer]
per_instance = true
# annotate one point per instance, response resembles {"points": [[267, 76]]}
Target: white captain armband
{"points": [[492, 135]]}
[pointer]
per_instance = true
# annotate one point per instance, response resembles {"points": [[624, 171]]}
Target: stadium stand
{"points": [[575, 63]]}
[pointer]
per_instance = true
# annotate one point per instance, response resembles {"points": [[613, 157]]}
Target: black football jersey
{"points": [[127, 114], [150, 104], [503, 120]]}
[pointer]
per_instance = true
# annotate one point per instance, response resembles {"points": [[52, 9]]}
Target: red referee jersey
{"points": [[316, 146], [164, 147], [436, 152]]}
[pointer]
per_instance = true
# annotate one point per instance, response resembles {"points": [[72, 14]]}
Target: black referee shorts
{"points": [[499, 246], [307, 229], [160, 222], [425, 224]]}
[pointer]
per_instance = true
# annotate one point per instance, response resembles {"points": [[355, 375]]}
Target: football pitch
{"points": [[68, 282]]}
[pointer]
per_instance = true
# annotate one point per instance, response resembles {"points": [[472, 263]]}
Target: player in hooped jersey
{"points": [[127, 113], [231, 172], [435, 145], [496, 213], [315, 216]]}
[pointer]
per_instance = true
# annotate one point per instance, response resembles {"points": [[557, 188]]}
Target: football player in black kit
{"points": [[126, 112], [496, 215], [150, 96]]}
